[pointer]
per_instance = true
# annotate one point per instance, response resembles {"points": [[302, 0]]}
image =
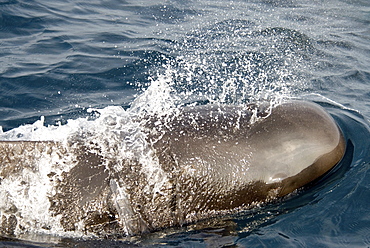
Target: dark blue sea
{"points": [[61, 58]]}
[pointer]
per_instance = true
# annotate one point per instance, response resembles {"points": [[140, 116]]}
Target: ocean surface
{"points": [[61, 59]]}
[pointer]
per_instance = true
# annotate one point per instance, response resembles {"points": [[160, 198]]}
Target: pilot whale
{"points": [[206, 161]]}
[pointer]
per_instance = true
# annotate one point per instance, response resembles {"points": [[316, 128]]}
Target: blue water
{"points": [[59, 58]]}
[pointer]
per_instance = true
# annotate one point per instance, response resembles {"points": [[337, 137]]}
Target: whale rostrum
{"points": [[207, 161]]}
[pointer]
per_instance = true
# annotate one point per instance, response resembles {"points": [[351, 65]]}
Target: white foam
{"points": [[28, 192], [118, 133]]}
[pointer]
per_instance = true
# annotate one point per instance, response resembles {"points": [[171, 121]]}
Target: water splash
{"points": [[238, 62]]}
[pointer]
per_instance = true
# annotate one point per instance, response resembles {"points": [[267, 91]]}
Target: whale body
{"points": [[206, 161]]}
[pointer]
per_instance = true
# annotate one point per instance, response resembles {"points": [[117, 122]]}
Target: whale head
{"points": [[236, 163]]}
